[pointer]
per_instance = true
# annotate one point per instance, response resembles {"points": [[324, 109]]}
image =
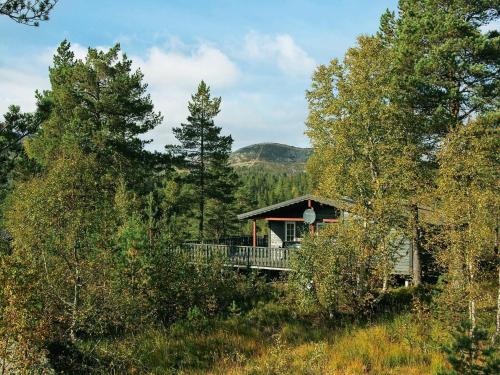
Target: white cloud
{"points": [[179, 70], [282, 49], [18, 87], [173, 76]]}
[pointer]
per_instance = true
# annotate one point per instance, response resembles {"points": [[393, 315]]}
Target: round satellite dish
{"points": [[309, 216]]}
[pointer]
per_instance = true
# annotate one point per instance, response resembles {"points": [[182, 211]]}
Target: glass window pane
{"points": [[290, 231]]}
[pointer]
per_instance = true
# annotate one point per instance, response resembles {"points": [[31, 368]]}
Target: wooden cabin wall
{"points": [[276, 233]]}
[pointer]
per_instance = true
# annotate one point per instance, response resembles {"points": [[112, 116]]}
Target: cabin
{"points": [[288, 222]]}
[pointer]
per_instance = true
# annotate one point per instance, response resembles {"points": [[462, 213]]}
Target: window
{"points": [[289, 231]]}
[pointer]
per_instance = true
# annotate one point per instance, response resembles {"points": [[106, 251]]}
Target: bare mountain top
{"points": [[273, 157]]}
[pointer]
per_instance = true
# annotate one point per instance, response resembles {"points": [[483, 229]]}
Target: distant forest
{"points": [[266, 188], [260, 188]]}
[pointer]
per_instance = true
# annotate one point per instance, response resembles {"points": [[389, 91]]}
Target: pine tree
{"points": [[27, 12], [472, 354], [100, 105], [447, 73], [441, 76], [222, 208], [15, 127], [205, 154]]}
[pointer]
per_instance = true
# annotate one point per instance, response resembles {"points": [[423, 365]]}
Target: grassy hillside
{"points": [[273, 338], [272, 157]]}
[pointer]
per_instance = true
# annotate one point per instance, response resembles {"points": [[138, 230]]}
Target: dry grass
{"points": [[271, 340], [384, 348], [240, 346]]}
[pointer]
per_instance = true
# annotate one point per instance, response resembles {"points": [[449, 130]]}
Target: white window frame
{"points": [[294, 231]]}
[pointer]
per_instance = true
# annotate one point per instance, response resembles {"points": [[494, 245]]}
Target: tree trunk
{"points": [[387, 266], [72, 334], [471, 292], [202, 216], [385, 282], [417, 267], [74, 308], [202, 184], [497, 331], [472, 316], [360, 279], [4, 360]]}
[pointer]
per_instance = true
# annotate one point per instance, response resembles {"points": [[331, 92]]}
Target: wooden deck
{"points": [[267, 258]]}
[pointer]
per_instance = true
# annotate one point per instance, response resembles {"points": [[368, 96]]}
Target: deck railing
{"points": [[261, 241], [272, 258]]}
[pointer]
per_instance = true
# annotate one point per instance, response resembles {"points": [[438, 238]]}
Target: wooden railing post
{"points": [[254, 233]]}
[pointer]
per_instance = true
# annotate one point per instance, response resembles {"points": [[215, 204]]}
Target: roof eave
{"points": [[256, 214]]}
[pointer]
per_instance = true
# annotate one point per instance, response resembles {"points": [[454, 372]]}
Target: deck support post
{"points": [[254, 233], [311, 226]]}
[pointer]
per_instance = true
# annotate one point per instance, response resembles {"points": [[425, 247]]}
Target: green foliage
{"points": [[262, 188], [204, 154], [80, 264], [55, 280], [15, 127], [27, 12], [210, 288], [360, 150], [447, 74], [13, 161], [472, 353], [100, 106], [469, 197], [334, 271]]}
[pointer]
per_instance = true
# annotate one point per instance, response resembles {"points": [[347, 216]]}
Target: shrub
{"points": [[332, 272]]}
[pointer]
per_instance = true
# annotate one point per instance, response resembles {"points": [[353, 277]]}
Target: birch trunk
{"points": [[417, 267], [4, 360], [497, 331]]}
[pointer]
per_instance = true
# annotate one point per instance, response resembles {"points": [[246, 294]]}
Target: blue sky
{"points": [[257, 55]]}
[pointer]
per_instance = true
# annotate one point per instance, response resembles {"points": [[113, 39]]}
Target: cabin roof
{"points": [[343, 204], [427, 214]]}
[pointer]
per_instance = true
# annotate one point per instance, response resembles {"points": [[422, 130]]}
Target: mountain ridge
{"points": [[271, 157]]}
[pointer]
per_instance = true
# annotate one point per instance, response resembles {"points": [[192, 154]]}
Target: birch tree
{"points": [[469, 190], [354, 143]]}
